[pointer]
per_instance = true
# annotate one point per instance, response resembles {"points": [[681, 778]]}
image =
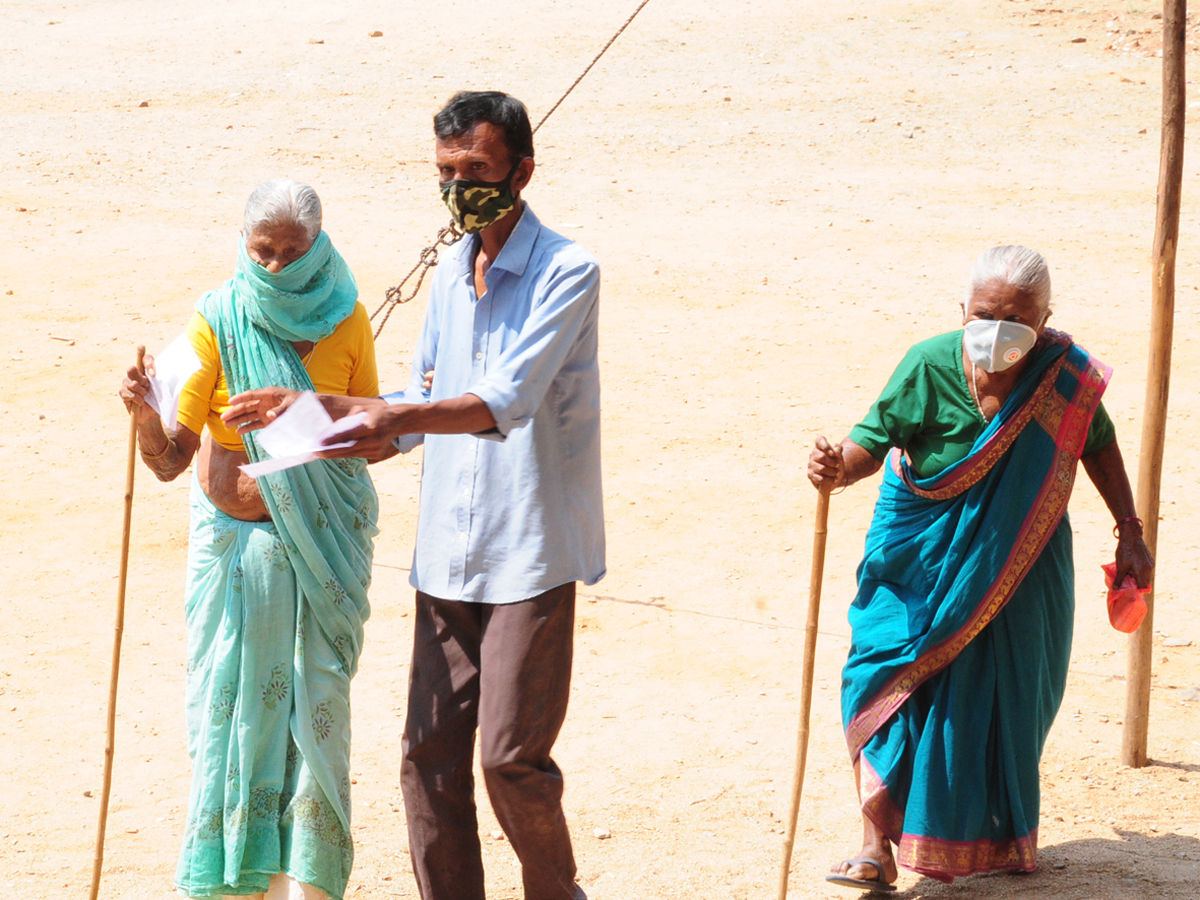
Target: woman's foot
{"points": [[873, 869]]}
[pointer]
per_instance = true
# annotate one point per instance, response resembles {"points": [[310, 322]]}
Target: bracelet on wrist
{"points": [[151, 456], [1126, 521]]}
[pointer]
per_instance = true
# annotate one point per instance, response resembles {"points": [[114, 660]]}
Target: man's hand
{"points": [[252, 410], [373, 438]]}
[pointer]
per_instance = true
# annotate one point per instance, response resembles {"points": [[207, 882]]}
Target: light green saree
{"points": [[275, 614]]}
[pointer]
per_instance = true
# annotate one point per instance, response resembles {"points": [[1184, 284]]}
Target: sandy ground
{"points": [[783, 196]]}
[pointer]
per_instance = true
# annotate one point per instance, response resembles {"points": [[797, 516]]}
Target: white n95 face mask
{"points": [[996, 346]]}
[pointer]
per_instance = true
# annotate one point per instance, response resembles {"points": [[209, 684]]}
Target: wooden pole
{"points": [[820, 529], [1158, 374], [116, 653]]}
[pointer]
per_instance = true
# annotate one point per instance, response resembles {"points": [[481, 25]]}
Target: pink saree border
{"points": [[877, 803], [1067, 423], [943, 860], [966, 477], [947, 860]]}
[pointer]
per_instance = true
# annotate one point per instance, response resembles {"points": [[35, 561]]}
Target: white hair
{"points": [[1020, 267], [282, 201]]}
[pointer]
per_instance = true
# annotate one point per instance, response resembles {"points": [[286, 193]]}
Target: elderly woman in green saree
{"points": [[961, 627], [278, 567]]}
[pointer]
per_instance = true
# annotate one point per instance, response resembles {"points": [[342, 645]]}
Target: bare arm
{"points": [[843, 464], [167, 453], [1106, 469], [252, 410], [466, 414]]}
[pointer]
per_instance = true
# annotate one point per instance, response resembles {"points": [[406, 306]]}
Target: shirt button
{"points": [[479, 354], [462, 535]]}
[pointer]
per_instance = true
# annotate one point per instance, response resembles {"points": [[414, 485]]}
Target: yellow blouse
{"points": [[343, 363]]}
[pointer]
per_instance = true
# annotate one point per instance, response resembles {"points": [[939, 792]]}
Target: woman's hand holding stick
{"points": [[835, 466]]}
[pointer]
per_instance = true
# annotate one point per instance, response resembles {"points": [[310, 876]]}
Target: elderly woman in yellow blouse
{"points": [[278, 566]]}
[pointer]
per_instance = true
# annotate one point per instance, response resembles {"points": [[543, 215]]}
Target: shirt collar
{"points": [[514, 255]]}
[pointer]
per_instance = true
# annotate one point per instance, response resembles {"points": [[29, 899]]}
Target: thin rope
{"points": [[451, 234], [603, 50]]}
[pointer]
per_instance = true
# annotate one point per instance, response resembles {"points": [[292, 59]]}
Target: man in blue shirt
{"points": [[511, 511]]}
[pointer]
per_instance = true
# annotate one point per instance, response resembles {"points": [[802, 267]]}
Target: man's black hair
{"points": [[467, 109]]}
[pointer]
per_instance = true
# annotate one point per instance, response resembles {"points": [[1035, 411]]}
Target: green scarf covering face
{"points": [[306, 300]]}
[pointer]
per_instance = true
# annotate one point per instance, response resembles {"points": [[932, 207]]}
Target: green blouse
{"points": [[927, 410]]}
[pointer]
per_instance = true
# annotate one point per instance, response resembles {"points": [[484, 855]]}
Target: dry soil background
{"points": [[783, 196]]}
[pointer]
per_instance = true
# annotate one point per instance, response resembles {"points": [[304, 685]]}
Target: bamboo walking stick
{"points": [[116, 653], [806, 685], [1135, 736]]}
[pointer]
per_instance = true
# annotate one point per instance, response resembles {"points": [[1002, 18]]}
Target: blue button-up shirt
{"points": [[513, 512]]}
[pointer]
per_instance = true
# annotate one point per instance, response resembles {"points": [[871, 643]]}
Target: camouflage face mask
{"points": [[477, 204]]}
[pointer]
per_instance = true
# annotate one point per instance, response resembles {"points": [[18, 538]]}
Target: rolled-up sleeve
{"points": [[515, 388]]}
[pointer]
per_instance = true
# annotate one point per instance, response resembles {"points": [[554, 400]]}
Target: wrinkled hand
{"points": [[252, 410], [826, 465], [373, 438], [1133, 558], [135, 388]]}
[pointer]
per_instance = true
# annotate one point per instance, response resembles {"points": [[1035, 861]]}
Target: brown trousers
{"points": [[506, 670]]}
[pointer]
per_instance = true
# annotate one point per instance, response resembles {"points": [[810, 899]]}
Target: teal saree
{"points": [[275, 614], [962, 629]]}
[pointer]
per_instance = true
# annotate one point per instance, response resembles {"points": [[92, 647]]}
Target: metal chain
{"points": [[429, 258], [451, 234]]}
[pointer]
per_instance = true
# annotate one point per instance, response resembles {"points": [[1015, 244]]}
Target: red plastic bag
{"points": [[1126, 603]]}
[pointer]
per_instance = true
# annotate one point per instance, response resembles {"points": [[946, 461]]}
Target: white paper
{"points": [[172, 369], [299, 434]]}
